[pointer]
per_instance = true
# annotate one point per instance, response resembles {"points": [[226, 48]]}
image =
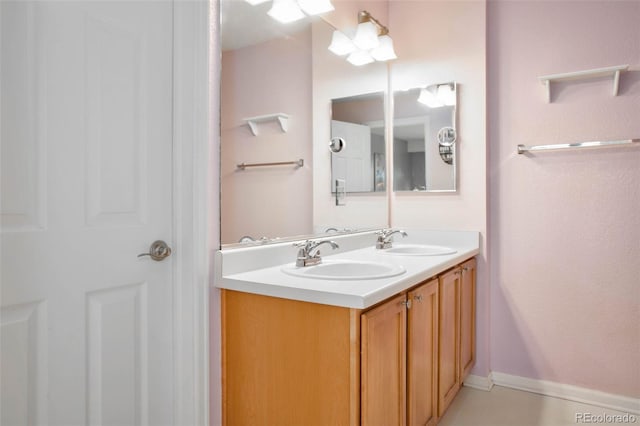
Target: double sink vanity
{"points": [[359, 335]]}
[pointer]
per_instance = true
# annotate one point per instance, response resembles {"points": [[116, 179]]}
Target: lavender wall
{"points": [[564, 238], [271, 77]]}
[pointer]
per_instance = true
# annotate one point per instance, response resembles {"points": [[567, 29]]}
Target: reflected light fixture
{"points": [[429, 98], [447, 94], [438, 95], [315, 7], [371, 42], [285, 11]]}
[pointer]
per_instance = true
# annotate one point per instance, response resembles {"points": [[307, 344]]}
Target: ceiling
{"points": [[245, 25]]}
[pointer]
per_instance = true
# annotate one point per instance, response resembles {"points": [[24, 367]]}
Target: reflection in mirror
{"points": [[266, 74], [359, 122], [424, 139]]}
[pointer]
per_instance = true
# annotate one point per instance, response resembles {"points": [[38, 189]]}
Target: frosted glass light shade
{"points": [[428, 98], [366, 36], [446, 94], [360, 57], [285, 11], [384, 52], [341, 44], [315, 7]]}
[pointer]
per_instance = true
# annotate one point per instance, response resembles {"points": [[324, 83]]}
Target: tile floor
{"points": [[510, 407]]}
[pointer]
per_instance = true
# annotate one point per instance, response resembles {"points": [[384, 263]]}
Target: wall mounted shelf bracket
{"points": [[283, 120], [577, 75]]}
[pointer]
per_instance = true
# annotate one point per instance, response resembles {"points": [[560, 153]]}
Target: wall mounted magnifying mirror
{"points": [[425, 139], [359, 122]]}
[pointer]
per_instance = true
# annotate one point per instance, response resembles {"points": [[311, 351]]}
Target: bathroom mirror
{"points": [[358, 121], [425, 139], [277, 82]]}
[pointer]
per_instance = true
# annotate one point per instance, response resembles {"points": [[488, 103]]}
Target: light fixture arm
{"points": [[364, 16]]}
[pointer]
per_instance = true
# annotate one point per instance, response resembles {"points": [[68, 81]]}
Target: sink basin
{"points": [[418, 250], [345, 270]]}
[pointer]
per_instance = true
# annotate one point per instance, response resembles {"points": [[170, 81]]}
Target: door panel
{"points": [[384, 364], [422, 355], [448, 359], [86, 143]]}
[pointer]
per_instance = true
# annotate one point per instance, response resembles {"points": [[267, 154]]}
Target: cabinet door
{"points": [[467, 317], [422, 355], [384, 364], [449, 338]]}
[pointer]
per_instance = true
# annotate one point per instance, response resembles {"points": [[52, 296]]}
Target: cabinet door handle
{"points": [[406, 303], [464, 269], [418, 297]]}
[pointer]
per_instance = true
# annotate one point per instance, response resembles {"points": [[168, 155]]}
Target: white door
{"points": [[86, 137], [354, 163]]}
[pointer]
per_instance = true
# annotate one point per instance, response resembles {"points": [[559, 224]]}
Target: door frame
{"points": [[193, 183]]}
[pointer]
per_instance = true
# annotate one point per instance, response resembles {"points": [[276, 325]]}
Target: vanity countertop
{"points": [[258, 270]]}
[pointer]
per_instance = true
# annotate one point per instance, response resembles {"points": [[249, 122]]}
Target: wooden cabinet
{"points": [[449, 345], [286, 362], [457, 331], [399, 359], [384, 363], [422, 355], [401, 362]]}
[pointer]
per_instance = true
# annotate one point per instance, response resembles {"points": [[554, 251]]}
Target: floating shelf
{"points": [[283, 120], [577, 75], [522, 149]]}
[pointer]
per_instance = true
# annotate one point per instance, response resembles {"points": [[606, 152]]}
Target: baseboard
{"points": [[558, 390], [479, 382]]}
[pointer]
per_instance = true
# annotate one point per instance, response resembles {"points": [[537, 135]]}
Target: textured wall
{"points": [[564, 226]]}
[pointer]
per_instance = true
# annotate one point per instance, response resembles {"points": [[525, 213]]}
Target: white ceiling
{"points": [[244, 25]]}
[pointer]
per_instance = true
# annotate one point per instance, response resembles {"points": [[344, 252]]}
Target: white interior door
{"points": [[354, 163], [86, 138]]}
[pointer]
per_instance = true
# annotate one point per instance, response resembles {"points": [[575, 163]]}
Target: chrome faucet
{"points": [[384, 237], [306, 256]]}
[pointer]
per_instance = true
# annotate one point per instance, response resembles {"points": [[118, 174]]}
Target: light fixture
{"points": [[370, 43], [285, 11], [447, 94], [360, 57], [315, 7], [366, 36], [341, 44], [384, 52], [428, 98]]}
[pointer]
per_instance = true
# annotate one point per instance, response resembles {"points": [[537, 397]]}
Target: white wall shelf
{"points": [[283, 120], [577, 75]]}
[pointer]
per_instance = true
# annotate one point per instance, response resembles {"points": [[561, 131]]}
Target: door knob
{"points": [[158, 251]]}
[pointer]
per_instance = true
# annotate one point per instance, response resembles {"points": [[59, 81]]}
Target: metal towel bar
{"points": [[298, 163], [594, 144]]}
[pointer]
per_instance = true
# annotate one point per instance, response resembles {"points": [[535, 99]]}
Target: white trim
{"points": [[190, 200], [569, 392], [479, 382]]}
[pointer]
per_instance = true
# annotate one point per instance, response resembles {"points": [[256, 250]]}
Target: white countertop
{"points": [[258, 270]]}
